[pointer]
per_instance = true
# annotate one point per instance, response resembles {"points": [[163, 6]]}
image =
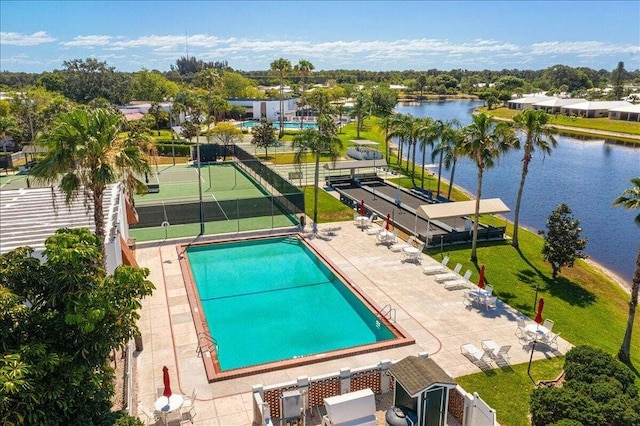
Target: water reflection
{"points": [[585, 173]]}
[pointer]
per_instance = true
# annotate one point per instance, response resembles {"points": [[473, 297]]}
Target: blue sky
{"points": [[38, 36]]}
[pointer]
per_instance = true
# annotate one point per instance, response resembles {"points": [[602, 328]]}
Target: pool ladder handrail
{"points": [[210, 344], [388, 312]]}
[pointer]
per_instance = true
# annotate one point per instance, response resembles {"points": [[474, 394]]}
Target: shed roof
{"points": [[30, 216], [363, 142], [417, 374], [343, 165], [462, 208]]}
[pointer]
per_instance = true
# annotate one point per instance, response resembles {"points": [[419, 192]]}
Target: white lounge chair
{"points": [[459, 283], [548, 324], [374, 230], [449, 275], [436, 269], [490, 302], [189, 405], [475, 355], [400, 246], [550, 339]]}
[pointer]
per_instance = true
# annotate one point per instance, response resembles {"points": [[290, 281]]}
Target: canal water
{"points": [[586, 174]]}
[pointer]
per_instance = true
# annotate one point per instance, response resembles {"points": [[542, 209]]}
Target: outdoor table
{"points": [[166, 405], [536, 330], [386, 236], [361, 221], [479, 294]]}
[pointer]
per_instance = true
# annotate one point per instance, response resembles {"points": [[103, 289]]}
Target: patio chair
{"points": [[449, 275], [503, 353], [374, 230], [468, 299], [548, 324], [435, 269], [150, 416], [476, 356], [550, 339], [490, 302], [460, 282], [401, 246], [490, 348], [413, 253], [521, 331], [189, 406], [489, 289]]}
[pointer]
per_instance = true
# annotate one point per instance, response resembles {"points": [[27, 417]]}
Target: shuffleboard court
{"points": [[221, 181]]}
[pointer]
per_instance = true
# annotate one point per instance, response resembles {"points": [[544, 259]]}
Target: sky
{"points": [[37, 36]]}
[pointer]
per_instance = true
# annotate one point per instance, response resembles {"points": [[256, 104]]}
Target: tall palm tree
{"points": [[396, 123], [630, 199], [442, 131], [427, 135], [361, 108], [85, 154], [317, 142], [303, 68], [484, 143], [448, 151], [210, 79], [282, 67], [532, 123]]}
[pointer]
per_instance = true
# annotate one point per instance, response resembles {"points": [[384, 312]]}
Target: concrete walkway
{"points": [[434, 316]]}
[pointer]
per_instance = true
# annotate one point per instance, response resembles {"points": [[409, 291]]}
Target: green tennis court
{"points": [[179, 183]]}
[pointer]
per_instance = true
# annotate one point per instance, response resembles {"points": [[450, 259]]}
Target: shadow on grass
{"points": [[559, 287]]}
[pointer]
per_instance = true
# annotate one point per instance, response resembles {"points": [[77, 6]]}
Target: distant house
{"points": [[30, 216], [527, 102], [554, 105], [593, 109], [625, 113]]}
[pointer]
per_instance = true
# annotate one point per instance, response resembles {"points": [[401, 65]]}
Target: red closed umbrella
{"points": [[538, 318], [363, 211], [481, 279], [386, 225], [167, 384]]}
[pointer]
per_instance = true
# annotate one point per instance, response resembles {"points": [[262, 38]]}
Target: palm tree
{"points": [[447, 151], [484, 143], [320, 141], [630, 199], [303, 68], [533, 124], [396, 123], [442, 131], [427, 135], [84, 150], [282, 67], [361, 108], [210, 79]]}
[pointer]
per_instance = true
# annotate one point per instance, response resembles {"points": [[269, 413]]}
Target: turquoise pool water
{"points": [[272, 299], [287, 125]]}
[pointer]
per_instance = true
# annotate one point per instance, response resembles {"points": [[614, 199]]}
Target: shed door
{"points": [[433, 407]]}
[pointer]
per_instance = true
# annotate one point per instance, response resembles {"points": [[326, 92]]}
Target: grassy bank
{"points": [[588, 307]]}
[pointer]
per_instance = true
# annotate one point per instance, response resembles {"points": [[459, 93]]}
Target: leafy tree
{"points": [[421, 82], [191, 65], [598, 390], [630, 199], [617, 79], [152, 86], [317, 142], [532, 123], [235, 85], [361, 109], [281, 67], [226, 134], [484, 143], [85, 154], [562, 242], [383, 100], [90, 79], [157, 113], [189, 130], [59, 321], [263, 135]]}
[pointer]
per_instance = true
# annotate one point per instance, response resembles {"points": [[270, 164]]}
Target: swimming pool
{"points": [[271, 303], [286, 125]]}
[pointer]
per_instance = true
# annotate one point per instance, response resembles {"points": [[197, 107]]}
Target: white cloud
{"points": [[88, 41], [17, 39], [582, 48]]}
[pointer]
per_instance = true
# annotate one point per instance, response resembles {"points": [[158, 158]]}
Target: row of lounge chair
{"points": [[452, 280], [491, 352]]}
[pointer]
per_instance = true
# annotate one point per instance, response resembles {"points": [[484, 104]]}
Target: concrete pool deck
{"points": [[434, 316]]}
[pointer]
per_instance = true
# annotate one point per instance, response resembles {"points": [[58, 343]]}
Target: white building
{"points": [[257, 109]]}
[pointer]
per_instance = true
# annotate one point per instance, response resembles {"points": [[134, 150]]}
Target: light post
{"points": [[200, 185]]}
